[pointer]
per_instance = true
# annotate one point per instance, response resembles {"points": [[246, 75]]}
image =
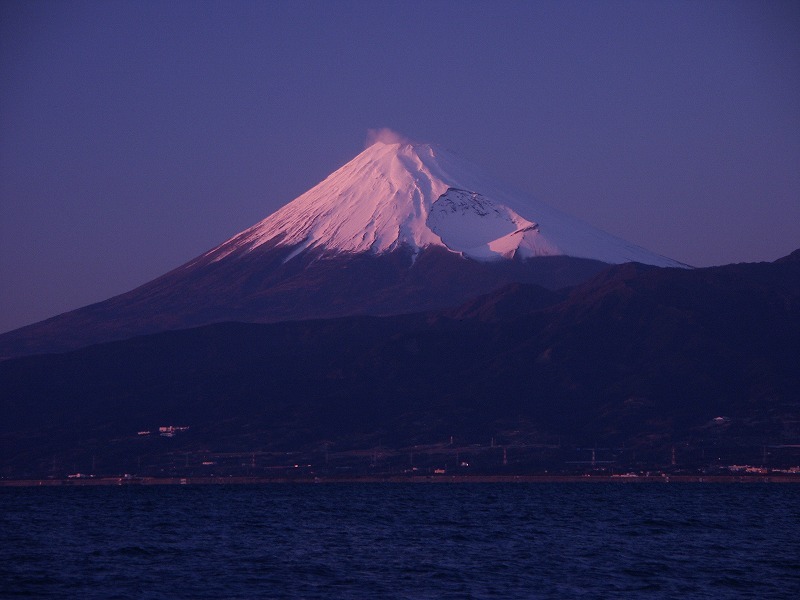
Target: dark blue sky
{"points": [[137, 135]]}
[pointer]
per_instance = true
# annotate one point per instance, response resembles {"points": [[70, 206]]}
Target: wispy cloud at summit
{"points": [[385, 136]]}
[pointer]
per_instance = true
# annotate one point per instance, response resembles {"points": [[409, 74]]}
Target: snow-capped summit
{"points": [[399, 194]]}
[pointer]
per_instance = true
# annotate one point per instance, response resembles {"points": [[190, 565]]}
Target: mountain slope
{"points": [[265, 289], [401, 228]]}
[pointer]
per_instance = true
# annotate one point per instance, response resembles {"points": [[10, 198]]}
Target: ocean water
{"points": [[402, 541]]}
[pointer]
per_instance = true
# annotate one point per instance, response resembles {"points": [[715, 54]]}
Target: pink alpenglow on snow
{"points": [[402, 194]]}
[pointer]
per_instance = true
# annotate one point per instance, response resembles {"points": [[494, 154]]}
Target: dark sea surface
{"points": [[402, 541]]}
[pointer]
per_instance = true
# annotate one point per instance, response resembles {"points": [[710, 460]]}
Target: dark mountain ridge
{"points": [[641, 358]]}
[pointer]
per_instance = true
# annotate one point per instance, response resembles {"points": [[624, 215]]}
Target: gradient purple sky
{"points": [[137, 135]]}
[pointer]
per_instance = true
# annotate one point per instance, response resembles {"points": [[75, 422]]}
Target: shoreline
{"points": [[430, 479]]}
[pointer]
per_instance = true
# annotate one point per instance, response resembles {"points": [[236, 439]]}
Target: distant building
{"points": [[171, 430]]}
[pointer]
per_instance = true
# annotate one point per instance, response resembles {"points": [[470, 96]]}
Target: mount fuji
{"points": [[417, 197], [401, 228]]}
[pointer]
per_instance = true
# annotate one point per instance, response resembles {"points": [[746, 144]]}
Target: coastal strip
{"points": [[432, 479]]}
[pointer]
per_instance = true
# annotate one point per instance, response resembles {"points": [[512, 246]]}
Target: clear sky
{"points": [[135, 135]]}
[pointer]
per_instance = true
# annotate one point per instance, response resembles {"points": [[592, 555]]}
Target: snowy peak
{"points": [[396, 195], [375, 203], [478, 227]]}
